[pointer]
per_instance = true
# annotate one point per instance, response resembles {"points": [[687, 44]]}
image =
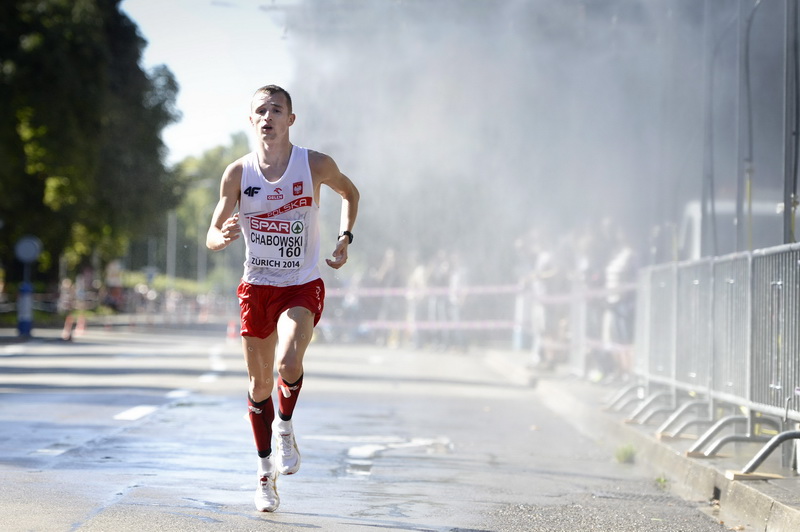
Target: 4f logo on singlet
{"points": [[251, 191]]}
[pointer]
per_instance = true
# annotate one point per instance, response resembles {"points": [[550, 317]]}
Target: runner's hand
{"points": [[339, 254], [230, 229]]}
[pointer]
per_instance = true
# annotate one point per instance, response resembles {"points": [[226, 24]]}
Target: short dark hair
{"points": [[274, 89]]}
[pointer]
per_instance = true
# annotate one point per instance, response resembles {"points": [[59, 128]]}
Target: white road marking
{"points": [[216, 362], [51, 452], [137, 412], [13, 350], [215, 358]]}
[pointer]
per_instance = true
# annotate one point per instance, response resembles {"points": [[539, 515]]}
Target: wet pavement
{"points": [[146, 430]]}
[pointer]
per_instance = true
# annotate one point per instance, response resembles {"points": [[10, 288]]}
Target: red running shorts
{"points": [[262, 305]]}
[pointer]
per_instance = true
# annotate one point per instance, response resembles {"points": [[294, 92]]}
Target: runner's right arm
{"points": [[225, 227]]}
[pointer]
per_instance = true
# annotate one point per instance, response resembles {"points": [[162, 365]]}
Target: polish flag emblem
{"points": [[298, 188]]}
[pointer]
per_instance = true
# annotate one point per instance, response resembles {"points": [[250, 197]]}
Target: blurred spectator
{"points": [[66, 296], [538, 323], [438, 280], [83, 283], [415, 299], [351, 312], [456, 339], [387, 276], [114, 295], [597, 246], [618, 321], [661, 244], [525, 324], [556, 278]]}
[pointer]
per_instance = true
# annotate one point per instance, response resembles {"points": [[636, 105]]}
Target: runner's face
{"points": [[270, 115]]}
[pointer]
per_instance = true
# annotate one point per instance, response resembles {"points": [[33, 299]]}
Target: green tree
{"points": [[194, 213], [198, 197], [80, 122]]}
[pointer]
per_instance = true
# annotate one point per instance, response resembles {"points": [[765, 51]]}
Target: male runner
{"points": [[281, 295]]}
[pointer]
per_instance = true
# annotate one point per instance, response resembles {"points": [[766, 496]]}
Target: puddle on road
{"points": [[360, 459], [358, 468]]}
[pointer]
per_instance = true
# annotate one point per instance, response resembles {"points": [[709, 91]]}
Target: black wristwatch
{"points": [[348, 234]]}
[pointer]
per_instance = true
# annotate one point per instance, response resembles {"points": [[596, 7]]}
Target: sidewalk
{"points": [[771, 505]]}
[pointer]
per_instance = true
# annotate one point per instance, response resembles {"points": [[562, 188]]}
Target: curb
{"points": [[771, 505]]}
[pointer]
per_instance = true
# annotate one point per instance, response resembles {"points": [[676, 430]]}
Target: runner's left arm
{"points": [[328, 173]]}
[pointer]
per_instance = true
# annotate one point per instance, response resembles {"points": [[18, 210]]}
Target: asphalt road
{"points": [[146, 430]]}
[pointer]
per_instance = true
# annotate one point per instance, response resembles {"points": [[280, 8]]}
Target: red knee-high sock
{"points": [[261, 416], [287, 397]]}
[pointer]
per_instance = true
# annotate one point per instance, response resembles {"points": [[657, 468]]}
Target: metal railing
{"points": [[724, 332]]}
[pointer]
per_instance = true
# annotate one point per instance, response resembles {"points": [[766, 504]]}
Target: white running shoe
{"points": [[266, 498], [287, 459]]}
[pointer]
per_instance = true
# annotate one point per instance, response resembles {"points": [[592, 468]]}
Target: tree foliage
{"points": [[80, 122], [203, 175], [198, 196]]}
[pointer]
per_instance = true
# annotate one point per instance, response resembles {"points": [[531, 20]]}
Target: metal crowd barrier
{"points": [[731, 341], [662, 315], [641, 342], [694, 321], [722, 335], [776, 321]]}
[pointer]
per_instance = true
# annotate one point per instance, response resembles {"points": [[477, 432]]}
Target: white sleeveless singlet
{"points": [[280, 223]]}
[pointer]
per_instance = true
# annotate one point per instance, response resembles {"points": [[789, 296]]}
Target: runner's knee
{"points": [[261, 389], [290, 368]]}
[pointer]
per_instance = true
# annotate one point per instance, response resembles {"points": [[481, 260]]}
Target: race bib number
{"points": [[277, 243]]}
